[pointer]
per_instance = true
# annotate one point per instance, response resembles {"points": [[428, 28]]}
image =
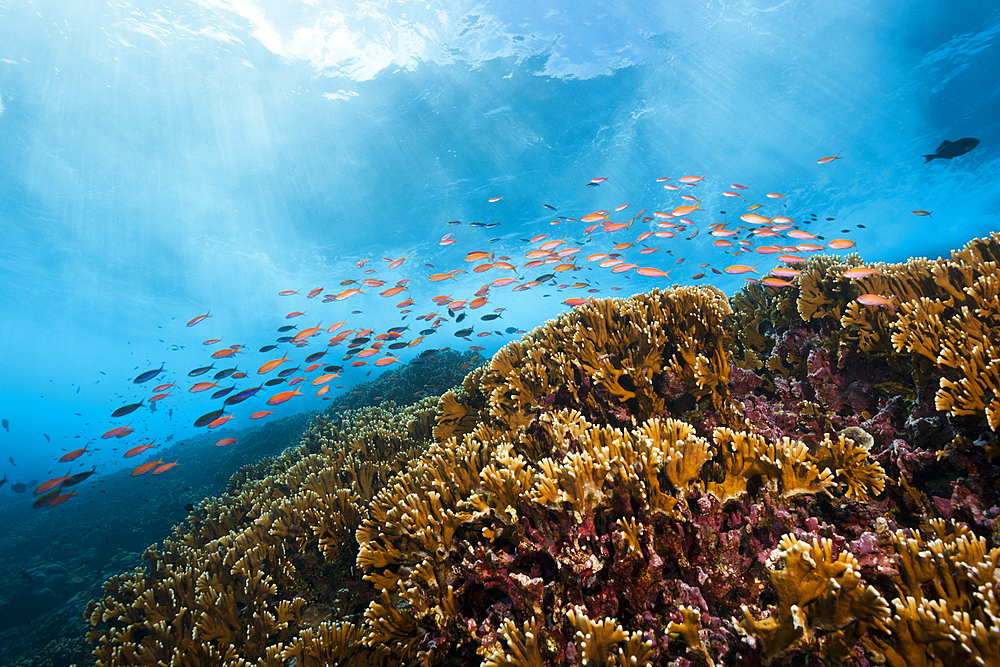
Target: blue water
{"points": [[162, 161]]}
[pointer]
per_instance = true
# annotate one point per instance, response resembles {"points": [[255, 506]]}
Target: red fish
{"points": [[54, 483], [159, 470], [225, 442], [146, 467], [283, 396], [116, 432], [135, 451], [75, 454], [198, 319]]}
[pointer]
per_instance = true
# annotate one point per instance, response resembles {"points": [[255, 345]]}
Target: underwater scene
{"points": [[493, 333]]}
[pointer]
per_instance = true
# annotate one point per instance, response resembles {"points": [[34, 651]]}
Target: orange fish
{"points": [[774, 195], [621, 246], [271, 365], [914, 213], [225, 442], [51, 484], [775, 282], [347, 294], [224, 353], [799, 234], [827, 160], [651, 272], [741, 268], [392, 291], [860, 272], [294, 313], [478, 302], [877, 300], [791, 259], [494, 199], [198, 319], [307, 333], [325, 378], [259, 415], [359, 363], [385, 361], [785, 272], [478, 255], [841, 244], [281, 397], [755, 219], [203, 386], [438, 277], [220, 421], [575, 301], [681, 211], [159, 470], [622, 268], [284, 292], [135, 451], [396, 262], [60, 499], [593, 217], [75, 454], [146, 467], [690, 179], [116, 432]]}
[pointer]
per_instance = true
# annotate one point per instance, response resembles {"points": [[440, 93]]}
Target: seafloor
{"points": [[784, 477]]}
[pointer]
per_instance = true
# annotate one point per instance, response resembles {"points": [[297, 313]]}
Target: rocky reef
{"points": [[786, 477]]}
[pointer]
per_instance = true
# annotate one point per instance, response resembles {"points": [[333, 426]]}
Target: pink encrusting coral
{"points": [[785, 477]]}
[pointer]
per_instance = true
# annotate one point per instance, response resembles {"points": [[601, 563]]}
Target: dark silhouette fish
{"points": [[208, 418], [121, 412], [148, 375], [20, 487], [200, 371], [5, 424], [243, 395], [949, 149]]}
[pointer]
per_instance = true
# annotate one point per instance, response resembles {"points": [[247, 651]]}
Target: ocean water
{"points": [[164, 161]]}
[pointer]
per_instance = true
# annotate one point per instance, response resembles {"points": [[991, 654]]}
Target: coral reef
{"points": [[788, 477]]}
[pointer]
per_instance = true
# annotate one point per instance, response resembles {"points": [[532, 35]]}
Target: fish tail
{"points": [[928, 158]]}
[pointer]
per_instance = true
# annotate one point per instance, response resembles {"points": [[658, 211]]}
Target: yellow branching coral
{"points": [[609, 352], [522, 647], [820, 601], [596, 640], [860, 477], [688, 630], [948, 613]]}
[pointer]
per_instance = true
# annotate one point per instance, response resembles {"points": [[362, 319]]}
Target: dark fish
{"points": [[11, 459], [592, 185], [73, 480], [274, 381], [495, 239], [44, 500], [551, 208], [547, 276], [5, 424], [510, 330], [428, 332], [201, 371], [267, 348], [20, 487], [949, 149], [284, 339], [398, 329], [315, 356], [223, 392], [490, 316], [224, 373], [242, 396], [462, 333], [287, 327], [359, 341], [492, 225], [208, 418], [451, 313], [333, 369], [398, 346], [454, 222], [121, 412], [426, 353], [461, 316], [477, 224], [47, 438], [288, 371], [148, 375]]}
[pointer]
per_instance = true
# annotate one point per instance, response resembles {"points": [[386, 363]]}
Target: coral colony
{"points": [[788, 477]]}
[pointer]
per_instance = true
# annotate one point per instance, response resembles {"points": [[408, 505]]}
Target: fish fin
{"points": [[943, 144], [928, 158]]}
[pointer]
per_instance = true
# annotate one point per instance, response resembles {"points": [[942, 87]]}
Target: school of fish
{"points": [[620, 242]]}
